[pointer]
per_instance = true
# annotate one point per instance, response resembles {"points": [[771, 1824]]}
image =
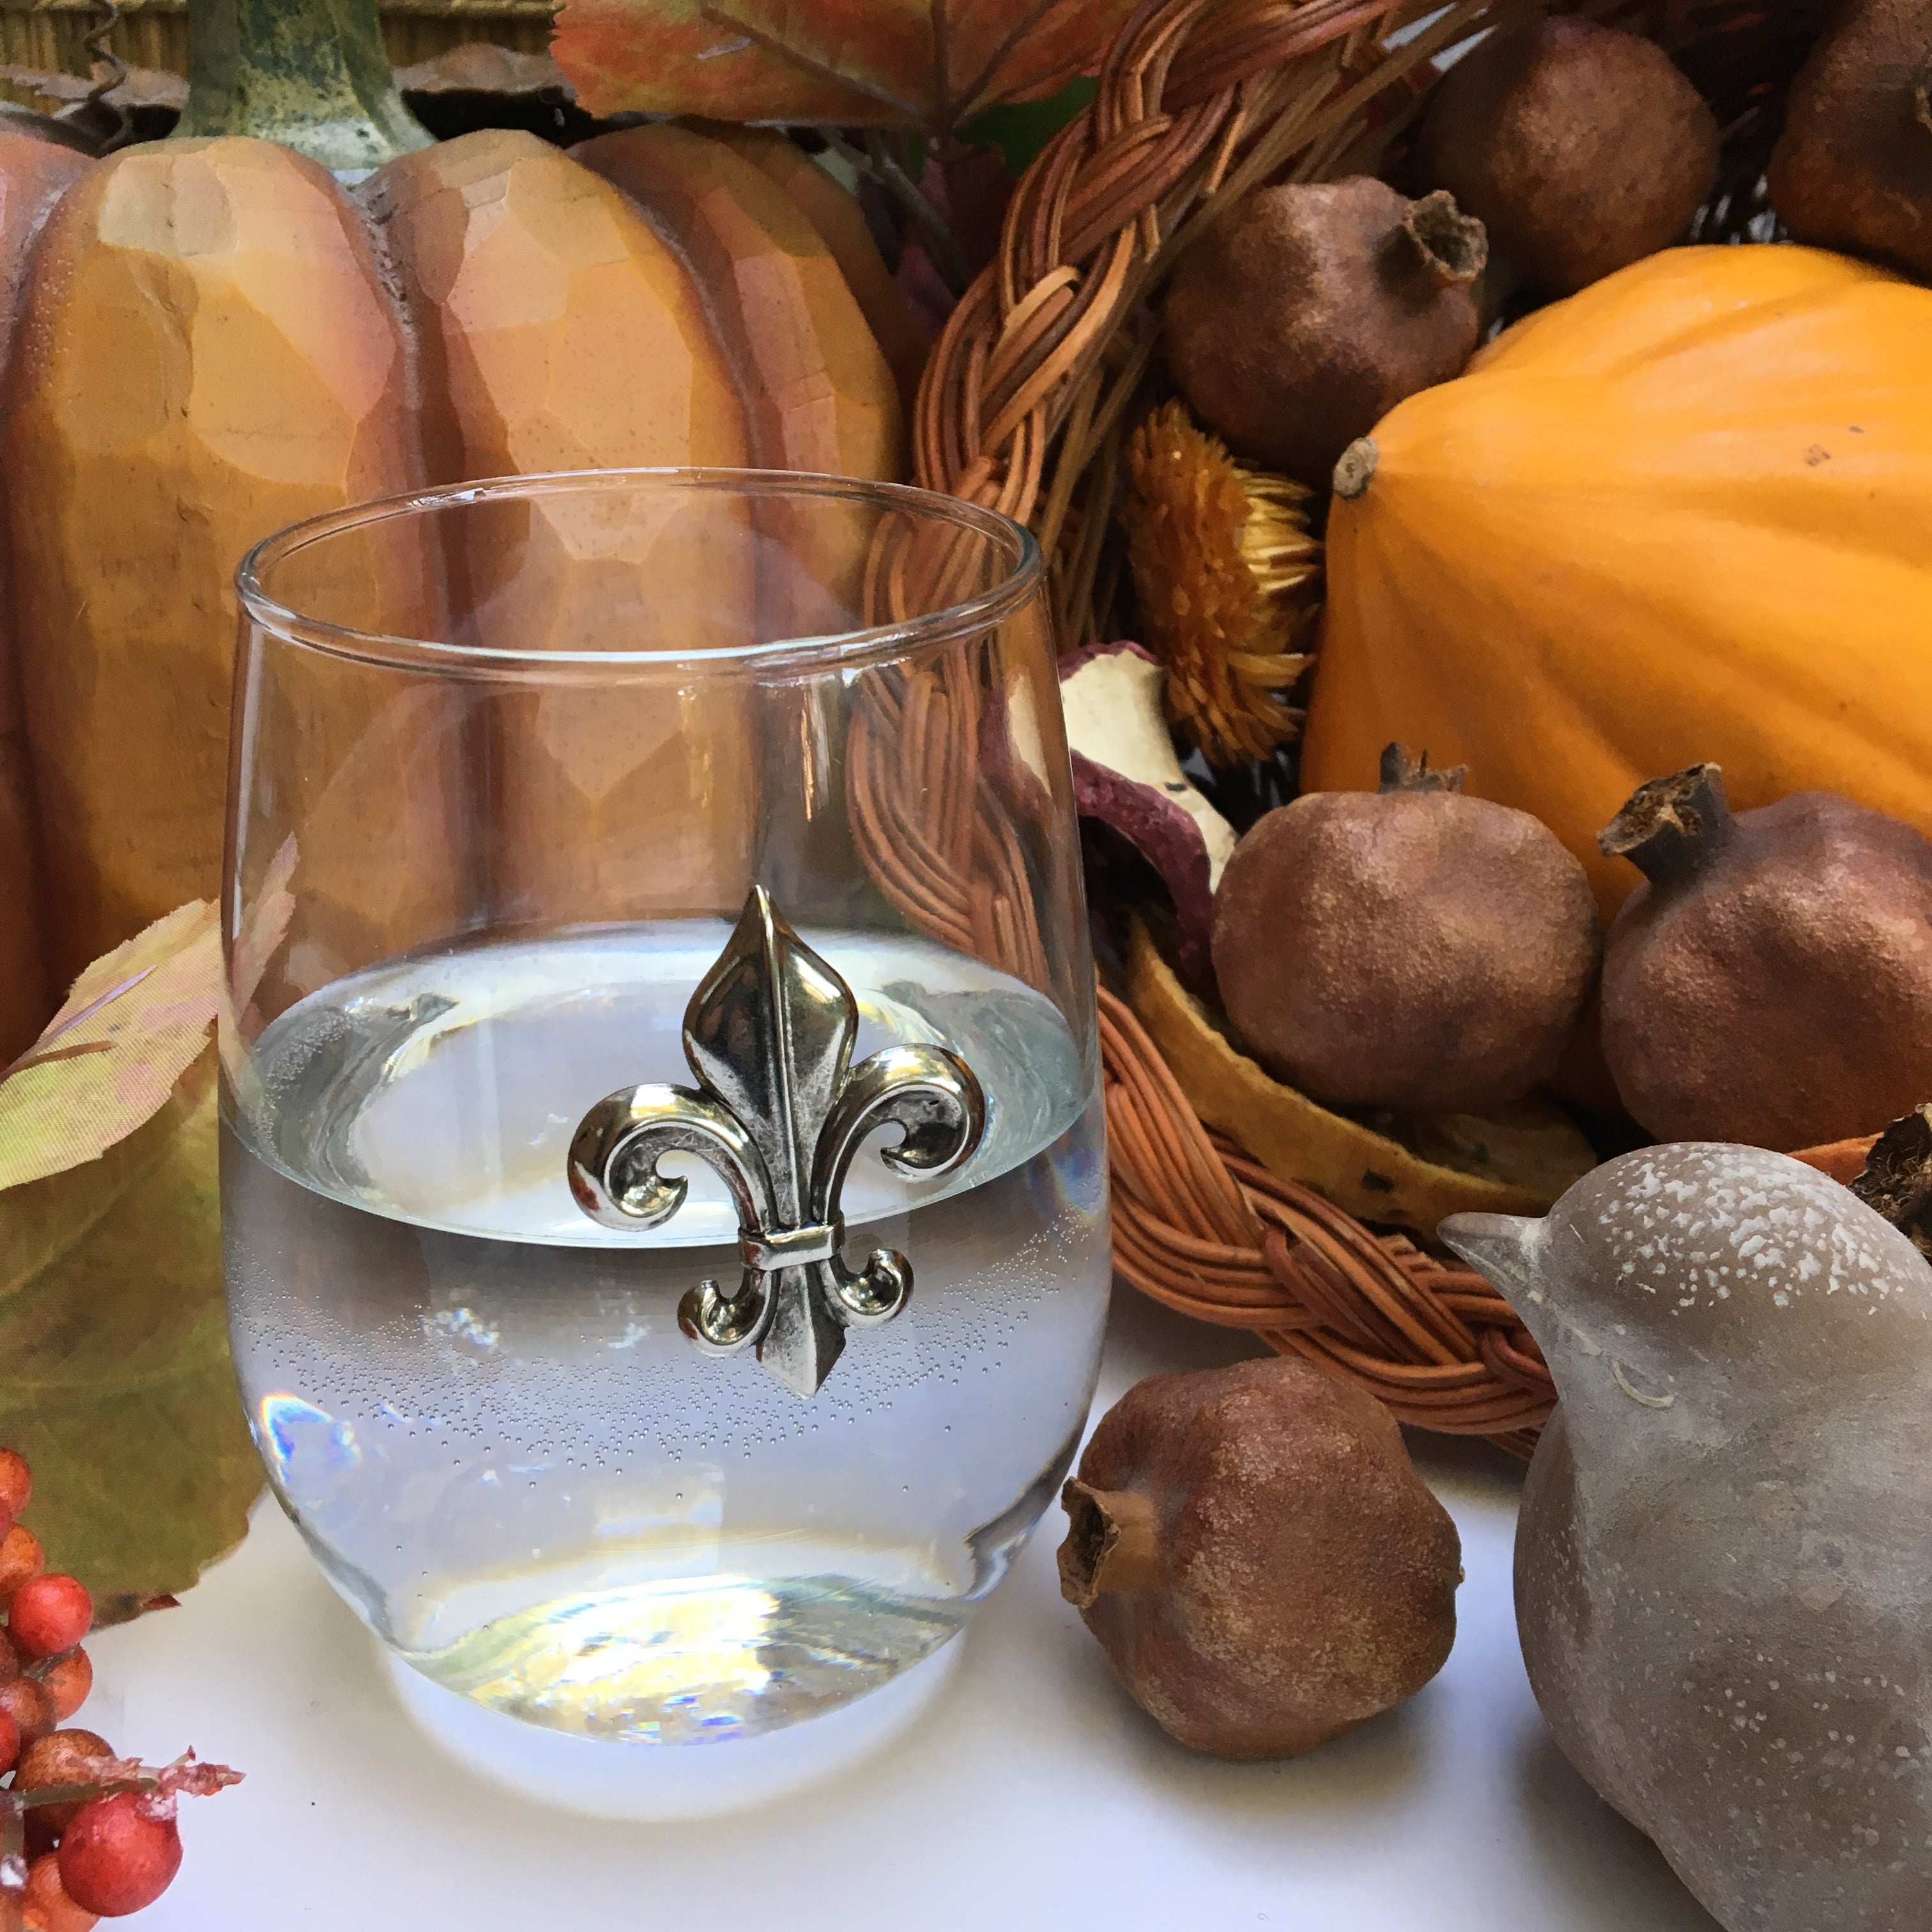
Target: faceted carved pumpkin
{"points": [[208, 340], [1682, 516]]}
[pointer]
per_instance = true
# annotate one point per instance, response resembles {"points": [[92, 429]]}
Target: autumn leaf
{"points": [[920, 65], [133, 1024], [117, 1385], [115, 1382]]}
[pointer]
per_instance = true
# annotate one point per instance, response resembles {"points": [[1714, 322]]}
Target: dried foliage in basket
{"points": [[1045, 370]]}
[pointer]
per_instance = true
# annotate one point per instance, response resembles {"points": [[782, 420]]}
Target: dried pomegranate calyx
{"points": [[1113, 1542]]}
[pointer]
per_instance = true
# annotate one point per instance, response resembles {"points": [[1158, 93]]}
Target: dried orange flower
{"points": [[1229, 580]]}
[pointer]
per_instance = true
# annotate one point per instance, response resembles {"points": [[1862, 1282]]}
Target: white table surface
{"points": [[1034, 1796]]}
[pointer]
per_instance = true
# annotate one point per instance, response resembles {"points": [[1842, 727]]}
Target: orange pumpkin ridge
{"points": [[817, 396], [34, 174], [204, 355], [841, 223], [560, 331], [213, 341], [1680, 516]]}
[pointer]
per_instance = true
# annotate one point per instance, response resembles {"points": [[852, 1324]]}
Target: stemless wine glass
{"points": [[662, 1166]]}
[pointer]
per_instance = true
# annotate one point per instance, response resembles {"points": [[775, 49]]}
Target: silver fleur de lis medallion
{"points": [[779, 1112]]}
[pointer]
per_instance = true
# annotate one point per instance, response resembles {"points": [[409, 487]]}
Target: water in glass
{"points": [[476, 1403]]}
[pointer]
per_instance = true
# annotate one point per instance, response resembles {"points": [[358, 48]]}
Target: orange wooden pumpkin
{"points": [[1683, 515], [210, 339]]}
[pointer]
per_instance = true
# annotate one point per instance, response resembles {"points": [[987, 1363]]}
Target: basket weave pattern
{"points": [[1201, 1228], [1026, 408]]}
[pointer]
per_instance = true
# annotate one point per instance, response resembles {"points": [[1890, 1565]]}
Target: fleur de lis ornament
{"points": [[779, 1110]]}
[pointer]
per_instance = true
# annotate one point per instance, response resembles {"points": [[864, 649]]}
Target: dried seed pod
{"points": [[1896, 1179], [1771, 982], [1227, 579], [1309, 310], [1852, 169], [1413, 949], [1258, 1559], [1580, 148]]}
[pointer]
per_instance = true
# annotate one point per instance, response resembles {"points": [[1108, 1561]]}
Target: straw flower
{"points": [[1228, 581]]}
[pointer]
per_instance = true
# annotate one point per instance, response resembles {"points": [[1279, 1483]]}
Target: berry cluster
{"points": [[84, 1834]]}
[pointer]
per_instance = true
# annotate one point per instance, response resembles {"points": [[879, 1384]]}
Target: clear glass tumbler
{"points": [[547, 789]]}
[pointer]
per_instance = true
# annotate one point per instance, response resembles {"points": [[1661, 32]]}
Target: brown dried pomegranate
{"points": [[1412, 949], [1853, 168], [1771, 982], [1258, 1559], [1309, 310], [1580, 148]]}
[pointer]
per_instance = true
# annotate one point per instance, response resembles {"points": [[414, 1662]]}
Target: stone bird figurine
{"points": [[1724, 1564]]}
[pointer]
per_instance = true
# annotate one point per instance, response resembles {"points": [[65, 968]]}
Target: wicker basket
{"points": [[1030, 394]]}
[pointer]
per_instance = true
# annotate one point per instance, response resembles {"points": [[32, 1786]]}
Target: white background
{"points": [[1034, 1796]]}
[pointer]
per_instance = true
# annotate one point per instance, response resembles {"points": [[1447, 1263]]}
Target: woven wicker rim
{"points": [[1024, 408]]}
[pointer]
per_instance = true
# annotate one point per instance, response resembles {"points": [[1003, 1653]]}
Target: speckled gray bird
{"points": [[1723, 1565]]}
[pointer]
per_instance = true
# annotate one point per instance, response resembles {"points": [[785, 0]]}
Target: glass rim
{"points": [[824, 651]]}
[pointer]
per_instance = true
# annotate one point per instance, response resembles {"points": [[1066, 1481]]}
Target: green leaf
{"points": [[1020, 129], [117, 1387]]}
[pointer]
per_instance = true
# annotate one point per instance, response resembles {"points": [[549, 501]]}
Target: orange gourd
{"points": [[1684, 515], [201, 340]]}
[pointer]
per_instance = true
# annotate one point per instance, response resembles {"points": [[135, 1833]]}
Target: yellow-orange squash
{"points": [[1686, 514], [202, 340]]}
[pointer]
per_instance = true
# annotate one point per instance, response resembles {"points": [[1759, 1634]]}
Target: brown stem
{"points": [[103, 56], [1897, 1179], [1673, 828], [969, 97], [1437, 241], [1113, 1542], [876, 159], [1401, 773], [1355, 469], [80, 1791]]}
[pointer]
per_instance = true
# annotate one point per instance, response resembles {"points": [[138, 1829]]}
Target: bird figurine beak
{"points": [[1502, 1246], [1507, 1249]]}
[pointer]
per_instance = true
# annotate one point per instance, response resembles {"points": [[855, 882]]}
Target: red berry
{"points": [[49, 1614], [61, 1757], [17, 1481], [21, 1557], [121, 1852], [49, 1909], [67, 1680], [10, 1657], [10, 1742], [29, 1706]]}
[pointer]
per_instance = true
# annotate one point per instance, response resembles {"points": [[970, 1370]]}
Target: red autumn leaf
{"points": [[921, 65]]}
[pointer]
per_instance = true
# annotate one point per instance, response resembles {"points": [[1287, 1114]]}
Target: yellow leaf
{"points": [[1517, 1165], [135, 1021]]}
